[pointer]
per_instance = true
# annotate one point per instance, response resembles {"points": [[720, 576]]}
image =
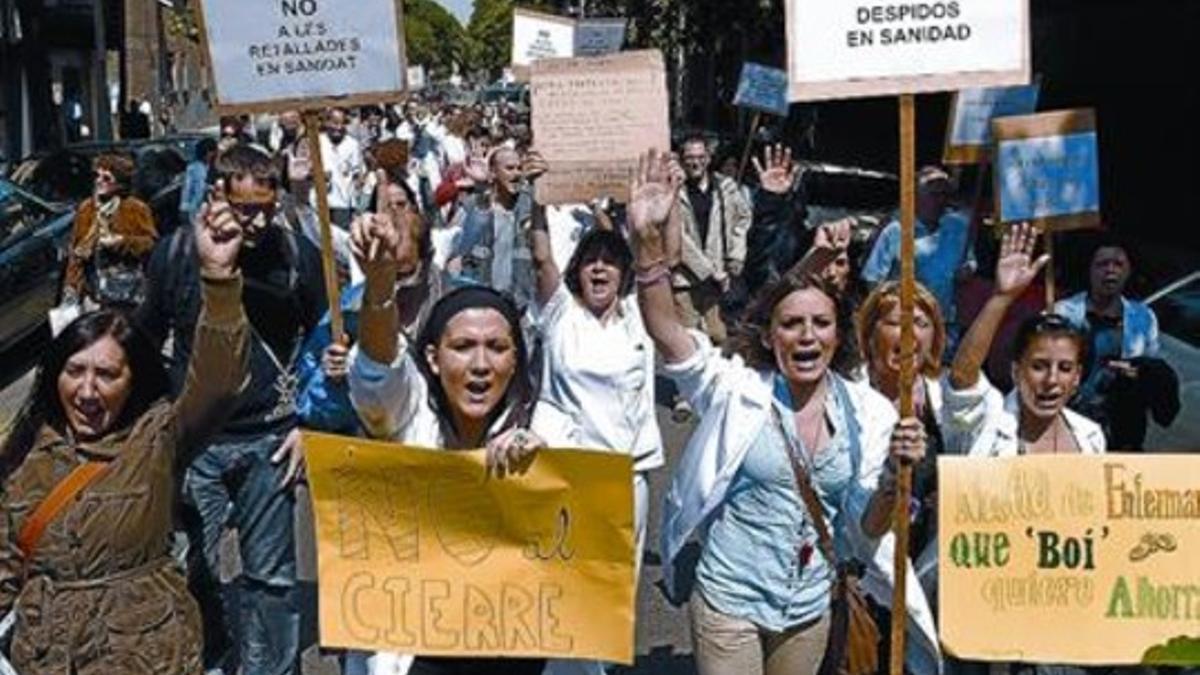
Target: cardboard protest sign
{"points": [[290, 54], [541, 36], [592, 117], [597, 37], [1047, 169], [419, 552], [1070, 558], [969, 132], [855, 49], [764, 89]]}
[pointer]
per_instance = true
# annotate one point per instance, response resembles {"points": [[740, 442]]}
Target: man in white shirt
{"points": [[344, 168]]}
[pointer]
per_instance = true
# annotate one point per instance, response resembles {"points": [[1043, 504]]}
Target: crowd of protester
{"points": [[477, 317]]}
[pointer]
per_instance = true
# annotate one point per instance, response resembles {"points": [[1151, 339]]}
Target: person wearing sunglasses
{"points": [[254, 458], [112, 235]]}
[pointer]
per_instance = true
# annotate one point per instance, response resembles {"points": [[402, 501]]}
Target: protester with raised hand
{"points": [[779, 415], [464, 383], [1050, 350], [324, 401], [599, 361], [1033, 418], [245, 474], [89, 481]]}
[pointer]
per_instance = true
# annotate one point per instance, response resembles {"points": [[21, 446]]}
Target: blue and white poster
{"points": [[974, 110], [1048, 177], [764, 89]]}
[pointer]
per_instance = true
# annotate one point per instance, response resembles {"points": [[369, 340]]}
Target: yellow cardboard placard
{"points": [[419, 552], [1070, 559]]}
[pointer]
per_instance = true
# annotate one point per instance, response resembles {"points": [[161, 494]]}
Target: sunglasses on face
{"points": [[250, 211], [104, 177]]}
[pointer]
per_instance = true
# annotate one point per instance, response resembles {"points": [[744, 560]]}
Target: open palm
{"points": [[1016, 268], [652, 198], [776, 173]]}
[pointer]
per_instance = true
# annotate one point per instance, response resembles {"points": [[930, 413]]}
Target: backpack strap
{"points": [[54, 503]]}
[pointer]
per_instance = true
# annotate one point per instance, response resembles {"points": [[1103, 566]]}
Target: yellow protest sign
{"points": [[419, 552], [1070, 559]]}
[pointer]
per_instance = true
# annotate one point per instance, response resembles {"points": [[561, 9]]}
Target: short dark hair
{"points": [[42, 405], [749, 341], [246, 160], [204, 147], [695, 138], [604, 245], [1049, 324]]}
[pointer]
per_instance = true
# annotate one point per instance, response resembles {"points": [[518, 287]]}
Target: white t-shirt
{"points": [[343, 162], [602, 376]]}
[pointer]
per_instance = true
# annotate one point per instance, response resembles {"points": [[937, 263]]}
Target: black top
{"points": [[284, 299], [701, 206]]}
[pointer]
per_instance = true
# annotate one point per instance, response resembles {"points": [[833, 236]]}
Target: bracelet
{"points": [[655, 274], [387, 304], [650, 266]]}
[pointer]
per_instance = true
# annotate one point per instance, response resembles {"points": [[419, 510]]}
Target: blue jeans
{"points": [[235, 483]]}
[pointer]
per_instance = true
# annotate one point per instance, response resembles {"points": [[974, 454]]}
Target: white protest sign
{"points": [[286, 54], [969, 133], [856, 49], [596, 37], [593, 117], [541, 36], [416, 78]]}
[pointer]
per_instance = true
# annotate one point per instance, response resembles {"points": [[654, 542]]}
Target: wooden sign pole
{"points": [[312, 121], [908, 346], [754, 121], [1051, 291]]}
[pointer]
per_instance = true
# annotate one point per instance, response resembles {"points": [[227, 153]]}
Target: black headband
{"points": [[462, 299]]}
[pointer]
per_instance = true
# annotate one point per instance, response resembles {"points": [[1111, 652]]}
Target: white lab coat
{"points": [[983, 422], [733, 402]]}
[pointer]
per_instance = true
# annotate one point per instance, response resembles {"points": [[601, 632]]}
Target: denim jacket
{"points": [[476, 246]]}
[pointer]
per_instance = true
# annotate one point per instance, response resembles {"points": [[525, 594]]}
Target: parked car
{"points": [[33, 242]]}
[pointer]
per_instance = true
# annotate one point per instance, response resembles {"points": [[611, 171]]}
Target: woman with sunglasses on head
{"points": [[781, 426], [465, 382], [110, 240], [90, 471], [1049, 356]]}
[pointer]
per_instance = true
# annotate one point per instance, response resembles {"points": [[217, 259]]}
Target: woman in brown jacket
{"points": [[95, 591], [112, 235]]}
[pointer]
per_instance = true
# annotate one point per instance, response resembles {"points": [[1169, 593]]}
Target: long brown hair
{"points": [[750, 339]]}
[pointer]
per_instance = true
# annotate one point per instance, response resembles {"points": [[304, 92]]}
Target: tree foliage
{"points": [[435, 38]]}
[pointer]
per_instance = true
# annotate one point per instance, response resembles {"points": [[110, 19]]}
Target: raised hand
{"points": [[476, 169], [834, 235], [653, 196], [376, 238], [219, 235], [776, 173], [534, 166], [1016, 268]]}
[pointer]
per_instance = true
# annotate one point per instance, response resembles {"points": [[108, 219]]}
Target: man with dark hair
{"points": [[242, 475], [344, 166]]}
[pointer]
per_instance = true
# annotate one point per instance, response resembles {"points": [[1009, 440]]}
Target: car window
{"points": [[18, 215], [1179, 313]]}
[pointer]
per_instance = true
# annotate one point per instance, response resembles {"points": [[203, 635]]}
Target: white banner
{"points": [[274, 55], [850, 49]]}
